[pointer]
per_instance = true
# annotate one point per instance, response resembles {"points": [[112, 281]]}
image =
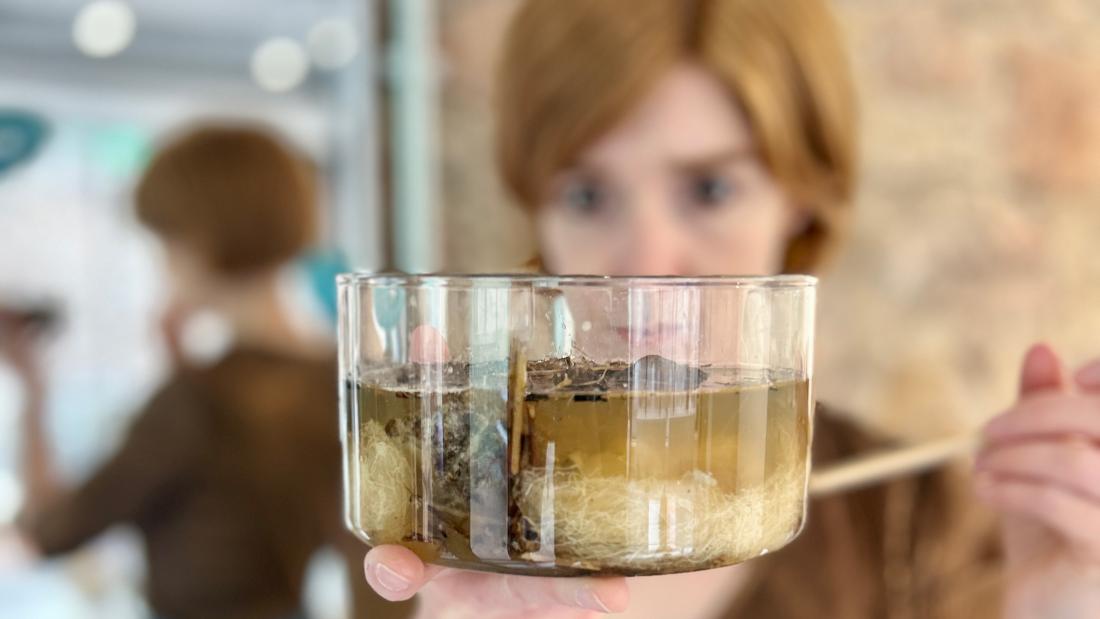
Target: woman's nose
{"points": [[651, 247]]}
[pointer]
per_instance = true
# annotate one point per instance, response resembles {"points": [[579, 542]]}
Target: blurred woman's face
{"points": [[676, 188]]}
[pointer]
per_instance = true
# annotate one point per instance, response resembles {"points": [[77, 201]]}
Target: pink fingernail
{"points": [[390, 579], [587, 598]]}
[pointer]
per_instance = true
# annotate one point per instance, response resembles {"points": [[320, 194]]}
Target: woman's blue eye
{"points": [[709, 190], [585, 197]]}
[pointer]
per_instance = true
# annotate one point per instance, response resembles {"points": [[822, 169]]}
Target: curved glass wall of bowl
{"points": [[577, 425]]}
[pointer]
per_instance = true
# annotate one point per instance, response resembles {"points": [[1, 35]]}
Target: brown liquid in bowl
{"points": [[570, 467]]}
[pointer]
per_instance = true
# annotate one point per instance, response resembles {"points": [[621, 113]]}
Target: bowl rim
{"points": [[359, 279]]}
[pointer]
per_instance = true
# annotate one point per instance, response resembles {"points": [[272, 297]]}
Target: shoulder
{"points": [[274, 382], [173, 405], [918, 546], [837, 436], [927, 527], [938, 495]]}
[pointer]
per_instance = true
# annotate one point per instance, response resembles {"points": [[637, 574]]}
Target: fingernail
{"points": [[390, 579], [587, 598]]}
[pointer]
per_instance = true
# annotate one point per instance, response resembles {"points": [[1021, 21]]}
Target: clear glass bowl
{"points": [[576, 425]]}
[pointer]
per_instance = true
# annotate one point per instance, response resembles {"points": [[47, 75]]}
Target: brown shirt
{"points": [[232, 475]]}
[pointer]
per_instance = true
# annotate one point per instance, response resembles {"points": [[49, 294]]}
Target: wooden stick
{"points": [[878, 467]]}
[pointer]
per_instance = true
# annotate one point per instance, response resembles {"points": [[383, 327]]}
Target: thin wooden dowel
{"points": [[878, 467]]}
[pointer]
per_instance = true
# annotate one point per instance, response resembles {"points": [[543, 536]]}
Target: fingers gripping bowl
{"points": [[577, 425]]}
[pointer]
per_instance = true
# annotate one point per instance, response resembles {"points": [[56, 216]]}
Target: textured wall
{"points": [[977, 221]]}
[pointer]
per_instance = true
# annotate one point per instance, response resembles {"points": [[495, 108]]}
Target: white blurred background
{"points": [[109, 78]]}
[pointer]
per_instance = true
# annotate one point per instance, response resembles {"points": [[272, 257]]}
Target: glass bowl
{"points": [[550, 425]]}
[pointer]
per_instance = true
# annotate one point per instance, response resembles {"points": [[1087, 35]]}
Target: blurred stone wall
{"points": [[978, 218]]}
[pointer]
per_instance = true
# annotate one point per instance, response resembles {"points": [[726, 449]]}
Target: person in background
{"points": [[231, 471], [702, 137]]}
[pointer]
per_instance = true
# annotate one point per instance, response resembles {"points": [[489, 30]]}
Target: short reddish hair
{"points": [[238, 195]]}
